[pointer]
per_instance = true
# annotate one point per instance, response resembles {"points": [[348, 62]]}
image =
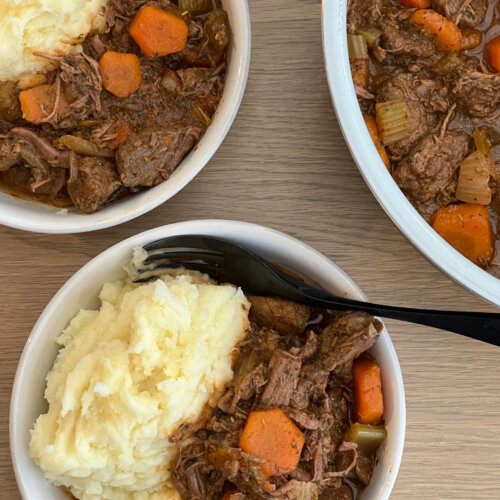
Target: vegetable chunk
{"points": [[273, 437], [467, 228], [158, 33], [121, 73], [448, 35], [371, 125], [368, 398], [492, 53], [38, 103]]}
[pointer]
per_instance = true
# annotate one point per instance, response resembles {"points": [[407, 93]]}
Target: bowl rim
{"points": [[33, 216], [274, 241], [413, 226]]}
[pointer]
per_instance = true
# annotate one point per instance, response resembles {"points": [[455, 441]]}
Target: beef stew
{"points": [[294, 373], [427, 78], [120, 116]]}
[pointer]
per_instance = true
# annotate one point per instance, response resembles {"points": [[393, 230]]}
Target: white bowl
{"points": [[399, 209], [82, 289], [38, 217]]}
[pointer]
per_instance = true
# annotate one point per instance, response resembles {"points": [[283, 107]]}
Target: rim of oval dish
{"points": [[379, 180], [33, 216], [272, 243]]}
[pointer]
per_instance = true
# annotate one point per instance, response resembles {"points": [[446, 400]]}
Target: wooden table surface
{"points": [[285, 164]]}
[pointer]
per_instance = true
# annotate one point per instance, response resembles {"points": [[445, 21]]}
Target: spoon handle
{"points": [[475, 325]]}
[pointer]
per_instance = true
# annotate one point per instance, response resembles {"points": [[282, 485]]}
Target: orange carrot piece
{"points": [[228, 494], [121, 73], [123, 131], [467, 228], [158, 32], [448, 35], [273, 437], [38, 102], [359, 72], [371, 125], [368, 397], [415, 4], [492, 53]]}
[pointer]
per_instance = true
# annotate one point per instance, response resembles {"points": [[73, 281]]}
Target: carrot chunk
{"points": [[158, 32], [121, 73], [38, 103], [448, 35], [492, 53], [371, 125], [273, 437], [415, 4], [228, 494], [467, 228], [359, 72], [368, 398]]}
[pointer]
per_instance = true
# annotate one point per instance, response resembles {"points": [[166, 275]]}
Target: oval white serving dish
{"points": [[385, 190]]}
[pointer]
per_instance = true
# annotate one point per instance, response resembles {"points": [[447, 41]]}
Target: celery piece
{"points": [[447, 65], [371, 35], [357, 47], [367, 437], [392, 121]]}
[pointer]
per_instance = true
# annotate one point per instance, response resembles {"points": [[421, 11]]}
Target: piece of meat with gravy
{"points": [[422, 96], [10, 153], [96, 180], [477, 94], [469, 13], [282, 315], [284, 372], [431, 167], [150, 156]]}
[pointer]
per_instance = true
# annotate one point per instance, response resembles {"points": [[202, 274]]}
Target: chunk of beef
{"points": [[95, 182], [244, 388], [193, 81], [241, 469], [477, 94], [423, 97], [345, 339], [362, 14], [10, 153], [402, 38], [284, 372], [311, 385], [343, 492], [147, 158], [364, 468], [42, 180], [282, 315], [469, 14], [431, 167]]}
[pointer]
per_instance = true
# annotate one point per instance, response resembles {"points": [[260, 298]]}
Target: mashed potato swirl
{"points": [[153, 357], [49, 26]]}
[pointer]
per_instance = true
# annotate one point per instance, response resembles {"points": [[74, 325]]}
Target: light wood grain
{"points": [[285, 164]]}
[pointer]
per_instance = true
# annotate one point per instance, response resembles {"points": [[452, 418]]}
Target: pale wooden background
{"points": [[285, 164]]}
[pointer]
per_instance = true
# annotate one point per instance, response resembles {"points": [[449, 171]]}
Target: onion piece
{"points": [[473, 180]]}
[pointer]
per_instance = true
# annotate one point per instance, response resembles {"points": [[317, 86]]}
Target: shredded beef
{"points": [[307, 373], [430, 170]]}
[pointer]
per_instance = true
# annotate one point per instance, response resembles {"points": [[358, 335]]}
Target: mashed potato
{"points": [[50, 26], [153, 357]]}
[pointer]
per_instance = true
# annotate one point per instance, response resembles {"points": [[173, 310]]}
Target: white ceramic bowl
{"points": [[399, 209], [38, 217], [82, 290]]}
